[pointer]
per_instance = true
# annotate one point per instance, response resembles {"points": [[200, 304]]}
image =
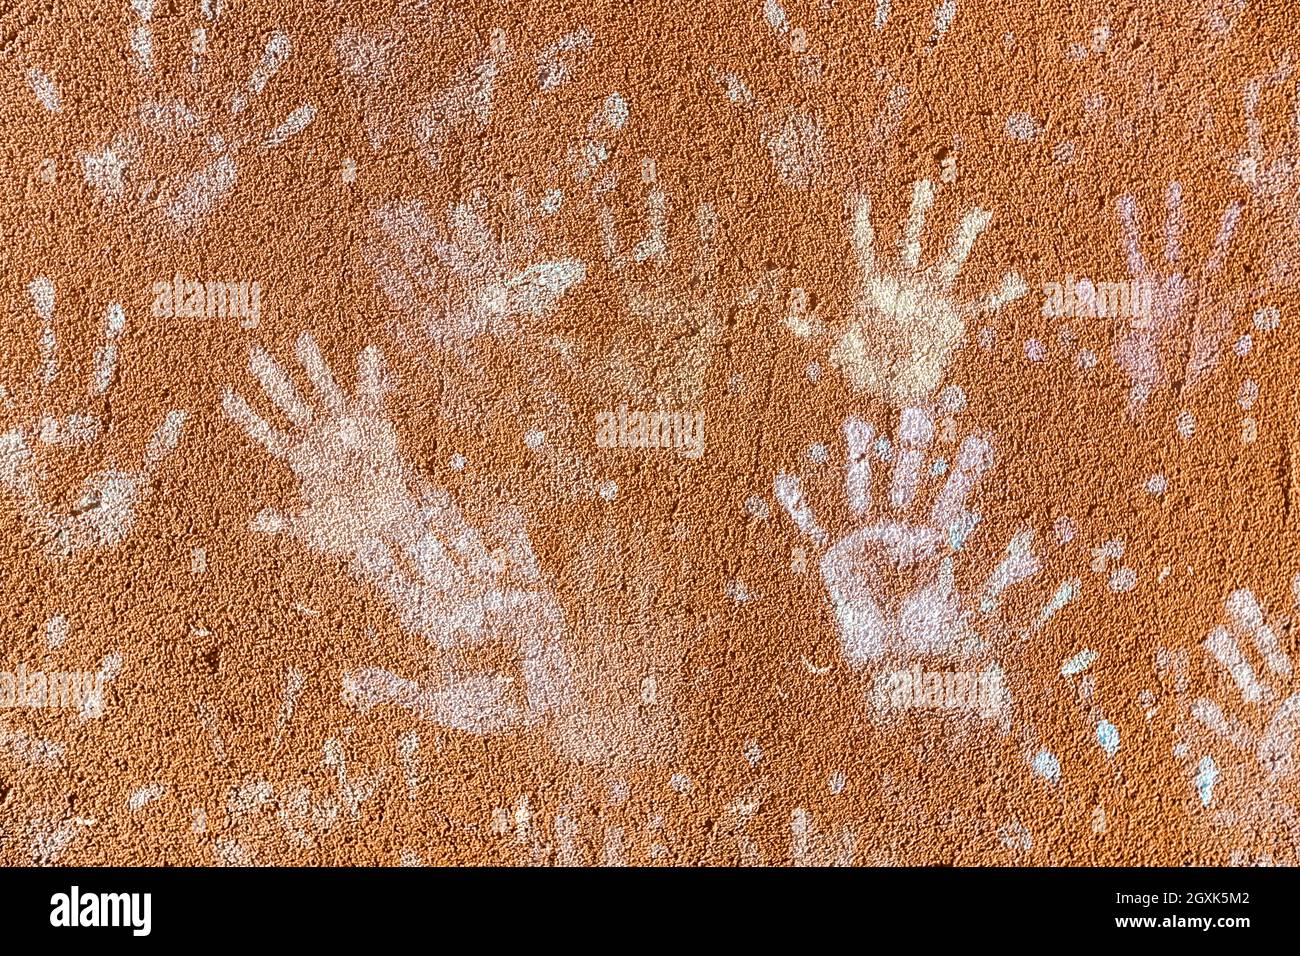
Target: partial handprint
{"points": [[667, 354], [462, 280], [894, 581], [1269, 178], [907, 323], [1187, 322], [104, 511], [1261, 730], [261, 820], [203, 139], [365, 505], [795, 137]]}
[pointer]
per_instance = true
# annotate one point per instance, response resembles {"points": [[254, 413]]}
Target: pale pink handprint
{"points": [[1184, 321]]}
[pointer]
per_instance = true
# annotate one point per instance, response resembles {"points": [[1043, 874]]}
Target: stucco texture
{"points": [[651, 434]]}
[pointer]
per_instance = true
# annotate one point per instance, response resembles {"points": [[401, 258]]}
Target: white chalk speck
{"points": [[1047, 766]]}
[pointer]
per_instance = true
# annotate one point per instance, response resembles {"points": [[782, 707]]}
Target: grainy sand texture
{"points": [[773, 432]]}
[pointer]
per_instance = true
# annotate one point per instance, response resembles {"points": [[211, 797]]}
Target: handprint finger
{"points": [[1254, 128], [293, 124], [1126, 207], [106, 356], [372, 384], [276, 54], [609, 236], [706, 259], [278, 387], [535, 289], [18, 466], [915, 432], [1277, 745], [1013, 287], [72, 430], [859, 435], [1212, 717], [518, 549], [1224, 649], [163, 441], [922, 200], [1227, 226], [864, 237], [41, 289], [789, 491], [270, 438], [318, 372], [1019, 564], [972, 224], [655, 244], [142, 36], [1174, 223], [974, 458]]}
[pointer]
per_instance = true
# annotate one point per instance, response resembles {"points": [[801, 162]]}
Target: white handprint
{"points": [[1188, 322], [1263, 727], [907, 323], [364, 504], [204, 140], [462, 280], [893, 581], [104, 510]]}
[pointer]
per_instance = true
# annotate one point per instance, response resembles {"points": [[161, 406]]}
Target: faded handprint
{"points": [[204, 140], [907, 324], [462, 280], [104, 510], [1256, 797], [794, 136], [260, 820], [676, 330], [379, 67], [1187, 323], [363, 504], [1269, 178]]}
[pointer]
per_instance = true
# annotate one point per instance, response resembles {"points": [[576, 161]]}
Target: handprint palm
{"points": [[901, 552], [364, 504], [907, 324], [104, 510]]}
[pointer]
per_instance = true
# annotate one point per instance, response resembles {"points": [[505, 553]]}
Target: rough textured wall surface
{"points": [[765, 433]]}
